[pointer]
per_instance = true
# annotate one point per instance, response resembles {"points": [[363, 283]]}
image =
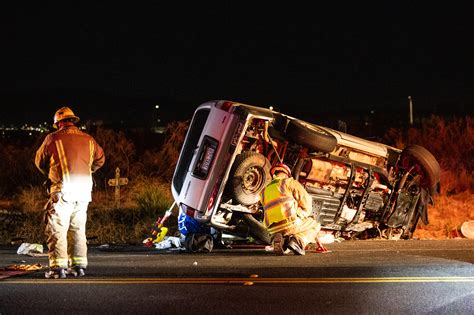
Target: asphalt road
{"points": [[363, 277]]}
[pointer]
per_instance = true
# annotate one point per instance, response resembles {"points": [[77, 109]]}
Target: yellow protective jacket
{"points": [[285, 199], [69, 157]]}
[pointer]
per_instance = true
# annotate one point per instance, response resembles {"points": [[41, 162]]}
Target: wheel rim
{"points": [[252, 179], [408, 162]]}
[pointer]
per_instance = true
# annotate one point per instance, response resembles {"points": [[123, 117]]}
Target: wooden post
{"points": [[117, 182]]}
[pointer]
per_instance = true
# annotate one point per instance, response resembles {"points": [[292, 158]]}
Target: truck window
{"points": [[191, 142]]}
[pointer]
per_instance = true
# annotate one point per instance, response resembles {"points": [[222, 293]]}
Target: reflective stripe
{"points": [[91, 151], [81, 261], [62, 160], [280, 226], [277, 202], [58, 262], [280, 211]]}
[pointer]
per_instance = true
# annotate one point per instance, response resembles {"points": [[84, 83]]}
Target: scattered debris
{"points": [[467, 229], [327, 238], [19, 269], [168, 242], [158, 231], [30, 249], [24, 267]]}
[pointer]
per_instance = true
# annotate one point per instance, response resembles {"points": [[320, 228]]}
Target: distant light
{"points": [[271, 107], [372, 111], [157, 106]]}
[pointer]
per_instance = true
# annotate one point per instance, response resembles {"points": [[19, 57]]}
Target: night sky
{"points": [[116, 61]]}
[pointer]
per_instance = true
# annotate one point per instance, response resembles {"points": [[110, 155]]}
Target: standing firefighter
{"points": [[68, 157], [288, 211]]}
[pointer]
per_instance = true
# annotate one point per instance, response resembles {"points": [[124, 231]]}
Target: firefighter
{"points": [[288, 212], [68, 157]]}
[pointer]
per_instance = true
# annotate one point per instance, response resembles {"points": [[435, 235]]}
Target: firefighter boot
{"points": [[278, 243], [80, 272], [55, 273], [76, 271], [294, 245]]}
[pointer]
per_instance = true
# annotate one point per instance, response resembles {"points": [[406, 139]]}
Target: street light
{"points": [[410, 104]]}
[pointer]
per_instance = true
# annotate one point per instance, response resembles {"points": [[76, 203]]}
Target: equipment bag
{"points": [[198, 243]]}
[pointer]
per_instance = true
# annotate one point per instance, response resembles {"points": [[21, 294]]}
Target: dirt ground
{"points": [[447, 216]]}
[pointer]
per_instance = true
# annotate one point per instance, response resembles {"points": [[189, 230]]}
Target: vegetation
{"points": [[452, 143], [149, 163], [145, 198]]}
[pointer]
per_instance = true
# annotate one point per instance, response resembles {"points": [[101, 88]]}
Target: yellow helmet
{"points": [[62, 114]]}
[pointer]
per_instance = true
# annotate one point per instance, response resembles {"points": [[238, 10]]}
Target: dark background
{"points": [[114, 61]]}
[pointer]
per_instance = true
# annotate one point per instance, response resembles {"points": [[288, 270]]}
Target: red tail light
{"points": [[211, 203], [225, 105], [213, 197], [188, 210]]}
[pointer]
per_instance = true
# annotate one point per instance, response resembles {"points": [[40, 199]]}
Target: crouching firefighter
{"points": [[288, 213], [68, 157]]}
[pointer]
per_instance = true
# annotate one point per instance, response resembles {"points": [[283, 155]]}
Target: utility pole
{"points": [[410, 104]]}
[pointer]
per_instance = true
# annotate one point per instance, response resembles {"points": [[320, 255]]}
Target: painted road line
{"points": [[236, 280]]}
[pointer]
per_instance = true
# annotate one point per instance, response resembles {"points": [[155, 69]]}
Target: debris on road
{"points": [[158, 231], [30, 249], [16, 270], [467, 229], [24, 267], [168, 242]]}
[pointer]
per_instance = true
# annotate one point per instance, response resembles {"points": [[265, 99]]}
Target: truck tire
{"points": [[280, 122], [311, 136], [250, 173], [424, 163]]}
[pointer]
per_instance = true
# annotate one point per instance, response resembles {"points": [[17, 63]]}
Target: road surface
{"points": [[363, 277]]}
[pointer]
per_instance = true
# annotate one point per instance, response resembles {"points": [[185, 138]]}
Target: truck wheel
{"points": [[257, 229], [250, 173], [280, 123], [424, 164], [311, 136]]}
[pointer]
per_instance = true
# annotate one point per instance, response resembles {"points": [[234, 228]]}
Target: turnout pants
{"points": [[66, 221], [304, 230]]}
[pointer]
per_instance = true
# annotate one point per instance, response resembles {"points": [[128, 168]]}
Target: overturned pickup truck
{"points": [[359, 188]]}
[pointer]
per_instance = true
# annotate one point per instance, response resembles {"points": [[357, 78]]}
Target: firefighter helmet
{"points": [[62, 114], [280, 167]]}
